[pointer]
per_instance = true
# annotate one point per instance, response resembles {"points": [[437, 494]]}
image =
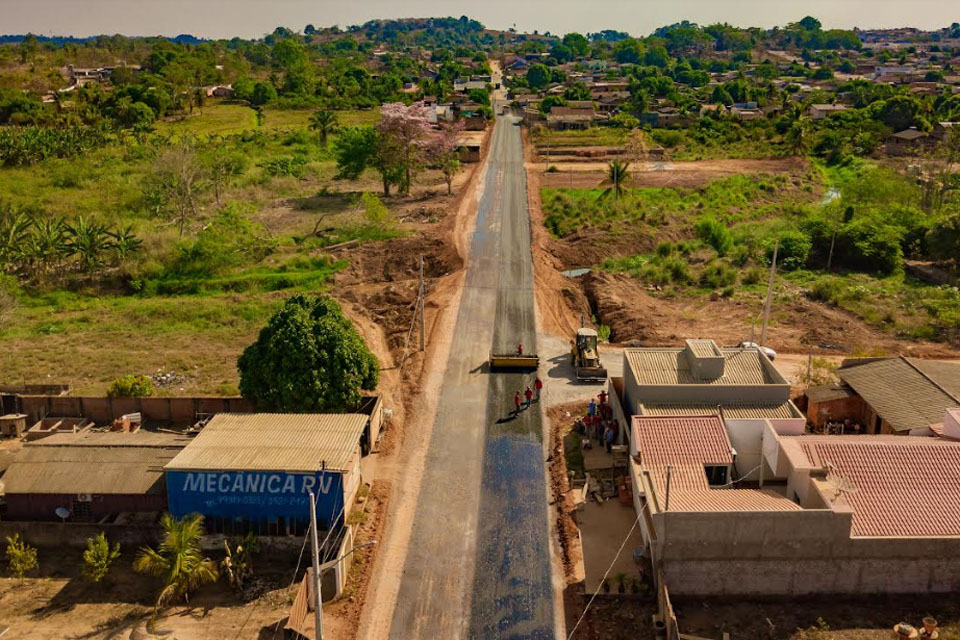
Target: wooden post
{"points": [[766, 305], [420, 297]]}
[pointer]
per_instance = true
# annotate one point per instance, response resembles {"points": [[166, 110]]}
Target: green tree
{"points": [[577, 43], [617, 175], [538, 76], [797, 137], [309, 357], [262, 93], [178, 561], [21, 557], [324, 122], [98, 558], [943, 240]]}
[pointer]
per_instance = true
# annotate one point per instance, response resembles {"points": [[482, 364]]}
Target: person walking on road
{"points": [[516, 401], [528, 394], [538, 385]]}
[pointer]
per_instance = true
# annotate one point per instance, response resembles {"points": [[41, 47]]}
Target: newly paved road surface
{"points": [[478, 564]]}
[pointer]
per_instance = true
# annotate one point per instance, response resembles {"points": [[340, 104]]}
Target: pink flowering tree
{"points": [[405, 134], [444, 151]]}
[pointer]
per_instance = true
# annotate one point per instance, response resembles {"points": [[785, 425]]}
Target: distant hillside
{"points": [[59, 41]]}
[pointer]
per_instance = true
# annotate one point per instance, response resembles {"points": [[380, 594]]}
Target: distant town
{"points": [[422, 329]]}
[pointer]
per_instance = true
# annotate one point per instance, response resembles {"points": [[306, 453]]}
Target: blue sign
{"points": [[255, 495]]}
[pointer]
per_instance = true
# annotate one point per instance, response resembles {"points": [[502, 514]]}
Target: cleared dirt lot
{"points": [[569, 173]]}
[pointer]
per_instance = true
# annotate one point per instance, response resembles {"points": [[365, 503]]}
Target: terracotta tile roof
{"points": [[904, 486], [663, 440], [687, 444], [901, 392], [571, 112], [731, 500]]}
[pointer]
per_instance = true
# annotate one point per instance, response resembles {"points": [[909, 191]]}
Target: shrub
{"points": [[827, 289], [715, 234], [753, 275], [287, 166], [130, 386], [98, 558], [664, 249], [718, 275], [793, 251], [21, 557]]}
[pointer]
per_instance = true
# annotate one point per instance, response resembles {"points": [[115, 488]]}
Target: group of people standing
{"points": [[523, 399], [599, 423]]}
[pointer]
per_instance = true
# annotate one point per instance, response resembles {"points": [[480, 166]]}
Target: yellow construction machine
{"points": [[586, 356]]}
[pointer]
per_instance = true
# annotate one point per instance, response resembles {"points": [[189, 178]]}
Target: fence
{"points": [[666, 617], [74, 534]]}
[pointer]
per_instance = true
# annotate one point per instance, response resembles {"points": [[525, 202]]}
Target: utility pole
{"points": [[422, 338], [314, 545], [833, 241], [766, 305]]}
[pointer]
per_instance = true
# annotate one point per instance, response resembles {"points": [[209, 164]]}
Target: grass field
{"points": [[191, 304], [226, 118], [731, 200]]}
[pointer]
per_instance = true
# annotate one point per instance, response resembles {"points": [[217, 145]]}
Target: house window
{"points": [[716, 475]]}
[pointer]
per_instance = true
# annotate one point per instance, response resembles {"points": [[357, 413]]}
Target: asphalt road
{"points": [[478, 563]]}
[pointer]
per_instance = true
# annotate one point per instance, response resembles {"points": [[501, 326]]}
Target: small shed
{"points": [[832, 403], [95, 476]]}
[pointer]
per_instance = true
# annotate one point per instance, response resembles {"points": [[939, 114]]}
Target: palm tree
{"points": [[798, 137], [179, 561], [617, 175], [324, 122]]}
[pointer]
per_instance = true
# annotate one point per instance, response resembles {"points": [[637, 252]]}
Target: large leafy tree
{"points": [[178, 561], [309, 357]]}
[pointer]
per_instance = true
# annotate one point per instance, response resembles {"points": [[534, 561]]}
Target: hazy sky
{"points": [[250, 18]]}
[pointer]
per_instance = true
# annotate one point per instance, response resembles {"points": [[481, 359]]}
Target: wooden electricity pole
{"points": [[420, 299], [766, 305]]}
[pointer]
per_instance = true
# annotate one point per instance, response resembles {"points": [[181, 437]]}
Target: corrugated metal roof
{"points": [[945, 374], [904, 486], [274, 442], [670, 367], [703, 348], [88, 469], [781, 411], [828, 392], [899, 392]]}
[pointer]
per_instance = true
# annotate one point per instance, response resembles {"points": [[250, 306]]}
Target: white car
{"points": [[767, 351]]}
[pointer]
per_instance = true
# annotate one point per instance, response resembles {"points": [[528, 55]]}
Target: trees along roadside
{"points": [[309, 357]]}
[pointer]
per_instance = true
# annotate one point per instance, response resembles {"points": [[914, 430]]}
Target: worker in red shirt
{"points": [[520, 349], [516, 401], [603, 397], [528, 394], [538, 385]]}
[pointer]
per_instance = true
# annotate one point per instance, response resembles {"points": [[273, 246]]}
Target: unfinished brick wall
{"points": [[103, 411]]}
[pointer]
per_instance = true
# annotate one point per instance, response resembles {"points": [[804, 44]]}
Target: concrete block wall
{"points": [[797, 553], [177, 411]]}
